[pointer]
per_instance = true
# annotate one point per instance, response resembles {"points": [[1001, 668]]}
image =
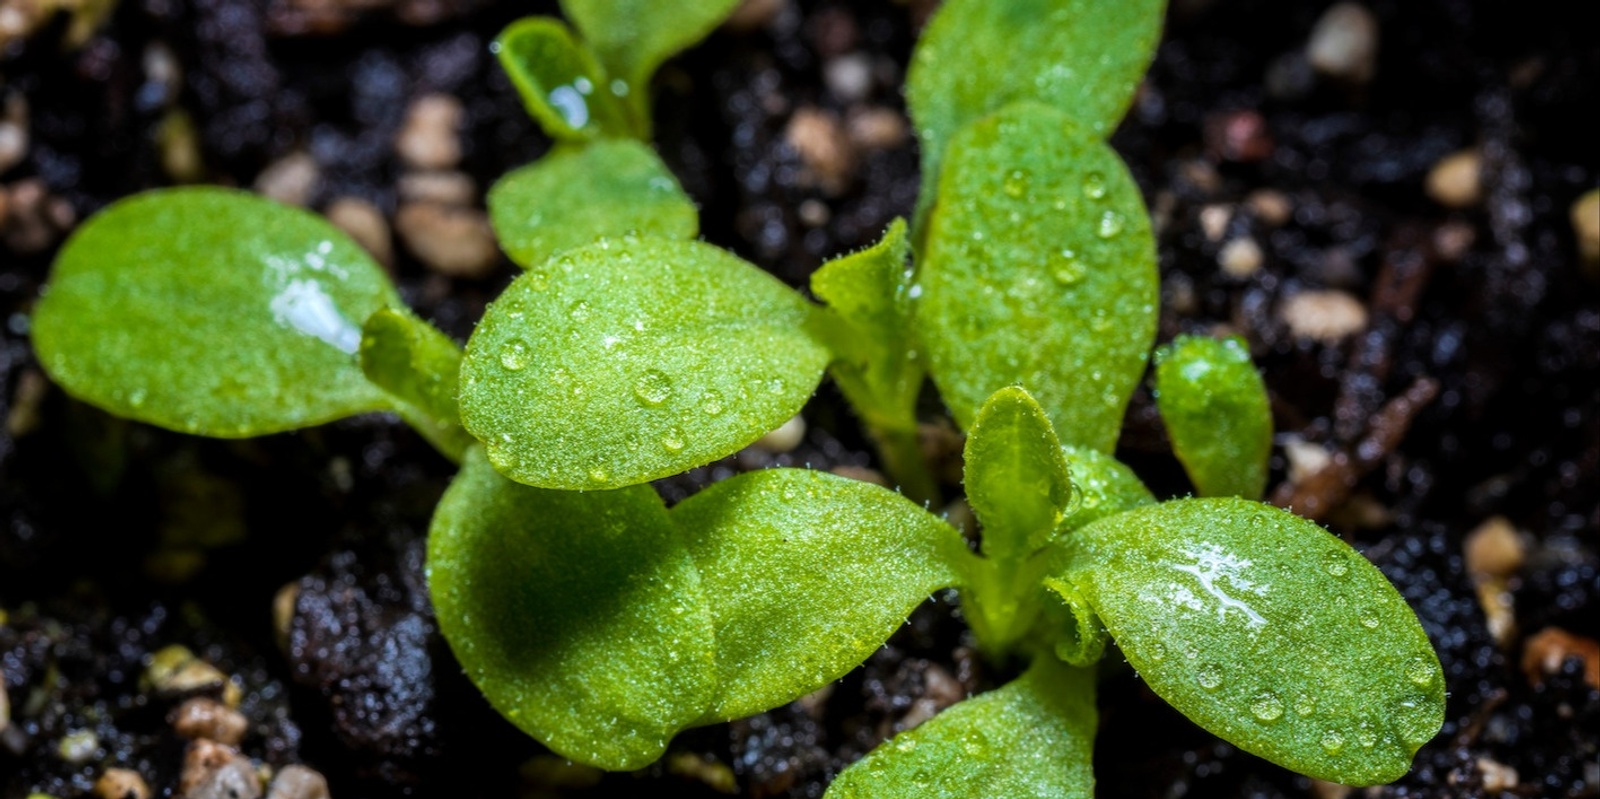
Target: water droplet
{"points": [[1209, 677], [672, 441], [1094, 186], [1110, 225], [1157, 651], [514, 355], [569, 103], [1266, 707], [1066, 268], [653, 387], [1365, 736], [561, 376], [711, 403], [776, 386], [1413, 721], [137, 397], [1369, 622], [1016, 183], [578, 311], [1336, 565], [1333, 742], [1305, 705], [1420, 672], [538, 279], [598, 474]]}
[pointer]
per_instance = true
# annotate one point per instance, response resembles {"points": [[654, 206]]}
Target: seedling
{"points": [[602, 622]]}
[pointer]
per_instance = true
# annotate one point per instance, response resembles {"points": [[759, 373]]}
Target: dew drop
{"points": [[538, 279], [776, 386], [1413, 722], [561, 376], [653, 387], [1365, 736], [1209, 678], [672, 441], [1066, 268], [1369, 622], [578, 311], [1016, 184], [1337, 566], [1157, 651], [711, 403], [137, 397], [514, 355], [1420, 672], [1305, 705], [1094, 186], [598, 474], [1266, 707], [1110, 225], [1332, 742]]}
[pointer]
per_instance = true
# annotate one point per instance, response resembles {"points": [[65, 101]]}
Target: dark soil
{"points": [[1472, 392]]}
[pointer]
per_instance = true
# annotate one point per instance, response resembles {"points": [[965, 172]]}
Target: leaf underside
{"points": [[212, 311]]}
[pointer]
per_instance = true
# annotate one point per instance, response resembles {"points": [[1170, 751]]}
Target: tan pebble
{"points": [[1305, 458], [204, 758], [1344, 43], [877, 128], [291, 180], [1453, 240], [1201, 174], [1497, 776], [753, 15], [365, 223], [429, 138], [1327, 316], [920, 711], [232, 692], [25, 403], [30, 220], [451, 241], [203, 717], [1214, 221], [863, 474], [1494, 550], [445, 187], [283, 613], [13, 144], [1271, 206], [1457, 180], [942, 687], [1499, 611], [175, 670], [1586, 225], [1240, 258], [1321, 789], [849, 77], [1545, 651], [298, 782], [785, 438], [819, 138], [236, 779], [814, 213], [78, 746], [121, 783]]}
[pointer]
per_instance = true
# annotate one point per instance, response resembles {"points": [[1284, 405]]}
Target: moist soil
{"points": [[1466, 392]]}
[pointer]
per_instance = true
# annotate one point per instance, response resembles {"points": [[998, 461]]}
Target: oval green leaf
{"points": [[807, 573], [634, 359], [1032, 738], [214, 312], [1102, 486], [1016, 475], [562, 85], [1268, 631], [1082, 57], [577, 195], [1039, 271], [1217, 414], [580, 616]]}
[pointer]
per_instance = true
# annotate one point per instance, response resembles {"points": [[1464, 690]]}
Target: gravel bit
{"points": [[365, 223], [298, 782], [121, 783], [430, 138], [203, 717], [457, 242], [1327, 316], [292, 179], [1344, 43], [1457, 180], [823, 146]]}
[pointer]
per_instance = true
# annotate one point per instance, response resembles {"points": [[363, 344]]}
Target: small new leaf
{"points": [[1032, 738], [1082, 57], [580, 616], [1268, 631], [1102, 486], [1040, 271], [807, 574], [1217, 414], [1016, 475], [633, 359], [562, 85], [212, 311], [633, 37], [869, 292], [577, 195], [417, 365]]}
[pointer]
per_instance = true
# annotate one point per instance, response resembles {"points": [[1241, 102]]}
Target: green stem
{"points": [[901, 453]]}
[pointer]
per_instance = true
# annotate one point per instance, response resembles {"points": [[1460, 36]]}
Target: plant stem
{"points": [[902, 458]]}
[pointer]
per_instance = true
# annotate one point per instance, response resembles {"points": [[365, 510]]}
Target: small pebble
{"points": [[292, 179], [1453, 240], [365, 223], [1457, 180], [863, 474], [1545, 651], [438, 186], [1499, 611], [78, 746], [814, 213], [298, 782], [1238, 136], [1327, 316], [1344, 43], [457, 242], [34, 219], [121, 783], [1306, 458], [209, 766], [175, 670], [429, 139], [819, 139], [1494, 550], [1586, 225], [203, 717], [785, 438], [849, 77], [1497, 776], [1240, 258], [13, 144], [1214, 221], [877, 128], [1201, 174], [1272, 207], [1321, 789]]}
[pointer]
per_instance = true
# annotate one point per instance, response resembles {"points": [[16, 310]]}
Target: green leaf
{"points": [[1081, 57], [1016, 475], [634, 359], [212, 311], [1079, 636], [1268, 631], [562, 84], [577, 195], [1032, 738], [1102, 486], [869, 292], [1216, 410], [808, 574], [1039, 271], [633, 37], [580, 616], [418, 366]]}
